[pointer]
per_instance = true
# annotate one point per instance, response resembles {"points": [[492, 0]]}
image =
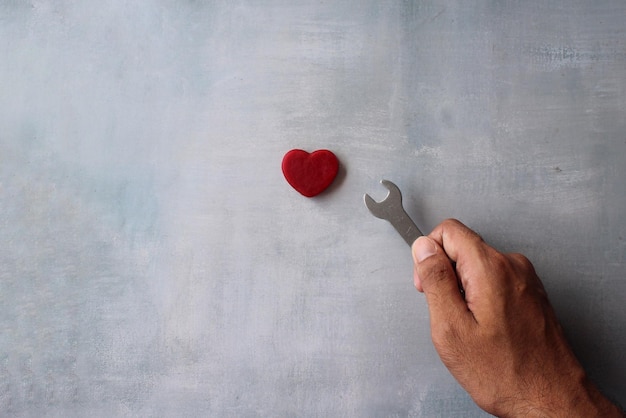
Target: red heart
{"points": [[310, 174]]}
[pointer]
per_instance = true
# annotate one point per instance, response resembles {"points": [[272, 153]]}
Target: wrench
{"points": [[390, 209]]}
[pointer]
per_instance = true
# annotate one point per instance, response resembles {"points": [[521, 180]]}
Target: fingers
{"points": [[457, 240], [484, 273], [435, 276], [470, 253]]}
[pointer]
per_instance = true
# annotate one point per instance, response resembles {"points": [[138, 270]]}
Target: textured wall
{"points": [[154, 262]]}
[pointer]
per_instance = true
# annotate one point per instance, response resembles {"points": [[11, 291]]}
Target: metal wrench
{"points": [[390, 209]]}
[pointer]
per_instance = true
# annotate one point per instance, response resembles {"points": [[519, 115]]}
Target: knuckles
{"points": [[521, 262], [452, 224]]}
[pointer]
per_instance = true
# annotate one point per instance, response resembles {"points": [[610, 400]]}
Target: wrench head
{"points": [[389, 205]]}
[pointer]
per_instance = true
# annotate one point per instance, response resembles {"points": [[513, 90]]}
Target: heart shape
{"points": [[310, 174]]}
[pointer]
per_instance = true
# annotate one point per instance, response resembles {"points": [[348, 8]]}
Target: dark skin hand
{"points": [[502, 341]]}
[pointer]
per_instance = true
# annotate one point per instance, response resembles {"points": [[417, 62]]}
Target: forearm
{"points": [[573, 397], [589, 402]]}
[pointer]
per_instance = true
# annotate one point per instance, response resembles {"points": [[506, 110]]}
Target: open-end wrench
{"points": [[391, 210]]}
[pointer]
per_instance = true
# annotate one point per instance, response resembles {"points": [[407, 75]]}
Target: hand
{"points": [[501, 340]]}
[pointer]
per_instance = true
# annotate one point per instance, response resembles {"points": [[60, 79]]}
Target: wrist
{"points": [[583, 400], [595, 404]]}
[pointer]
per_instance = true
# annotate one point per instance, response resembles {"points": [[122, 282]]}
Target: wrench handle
{"points": [[405, 226]]}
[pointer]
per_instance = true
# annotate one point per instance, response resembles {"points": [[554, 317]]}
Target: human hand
{"points": [[501, 340]]}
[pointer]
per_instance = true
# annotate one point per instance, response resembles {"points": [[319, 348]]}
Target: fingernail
{"points": [[423, 247]]}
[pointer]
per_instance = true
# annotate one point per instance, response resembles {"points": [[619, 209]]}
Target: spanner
{"points": [[391, 210]]}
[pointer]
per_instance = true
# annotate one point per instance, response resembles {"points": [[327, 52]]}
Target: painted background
{"points": [[154, 262]]}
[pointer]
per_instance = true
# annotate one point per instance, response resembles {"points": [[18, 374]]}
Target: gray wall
{"points": [[154, 261]]}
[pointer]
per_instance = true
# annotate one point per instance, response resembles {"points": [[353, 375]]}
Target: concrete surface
{"points": [[154, 261]]}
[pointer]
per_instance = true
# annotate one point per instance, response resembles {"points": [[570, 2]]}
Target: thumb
{"points": [[435, 276]]}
